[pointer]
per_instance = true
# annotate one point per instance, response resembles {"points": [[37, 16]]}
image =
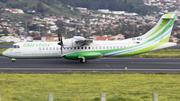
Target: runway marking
{"points": [[107, 65], [65, 69]]}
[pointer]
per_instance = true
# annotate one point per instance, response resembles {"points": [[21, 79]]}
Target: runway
{"points": [[5, 45], [142, 65]]}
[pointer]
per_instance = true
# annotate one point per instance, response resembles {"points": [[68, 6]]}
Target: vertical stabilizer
{"points": [[162, 30]]}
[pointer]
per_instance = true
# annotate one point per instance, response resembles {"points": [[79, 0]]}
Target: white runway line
{"points": [[107, 65]]}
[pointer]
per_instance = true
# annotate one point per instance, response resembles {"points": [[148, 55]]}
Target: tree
{"points": [[17, 32], [5, 31], [4, 1]]}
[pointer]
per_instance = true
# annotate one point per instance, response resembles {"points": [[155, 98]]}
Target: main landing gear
{"points": [[83, 60], [13, 60]]}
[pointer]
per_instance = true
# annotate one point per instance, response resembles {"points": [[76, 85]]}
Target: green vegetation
{"points": [[42, 8], [2, 50], [114, 5], [163, 53], [6, 42], [87, 87], [61, 7]]}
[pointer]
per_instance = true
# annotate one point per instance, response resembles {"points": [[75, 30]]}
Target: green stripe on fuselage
{"points": [[147, 49], [9, 49]]}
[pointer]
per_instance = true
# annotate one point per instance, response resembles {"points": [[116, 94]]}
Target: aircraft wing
{"points": [[84, 42]]}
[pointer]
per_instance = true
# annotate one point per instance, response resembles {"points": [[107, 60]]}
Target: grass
{"points": [[6, 42], [163, 53], [87, 87], [2, 50]]}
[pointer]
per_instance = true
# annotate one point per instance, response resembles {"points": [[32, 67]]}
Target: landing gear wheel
{"points": [[13, 61], [83, 60]]}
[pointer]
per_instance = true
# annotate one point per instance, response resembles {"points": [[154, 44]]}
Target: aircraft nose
{"points": [[4, 53]]}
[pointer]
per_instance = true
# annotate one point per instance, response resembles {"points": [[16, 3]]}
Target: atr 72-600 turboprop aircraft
{"points": [[78, 48]]}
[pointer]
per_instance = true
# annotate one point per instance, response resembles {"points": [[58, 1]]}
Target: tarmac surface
{"points": [[142, 65], [5, 45]]}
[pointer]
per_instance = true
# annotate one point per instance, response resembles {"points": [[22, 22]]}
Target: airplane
{"points": [[79, 48]]}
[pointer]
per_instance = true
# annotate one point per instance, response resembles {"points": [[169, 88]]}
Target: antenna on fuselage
{"points": [[60, 42]]}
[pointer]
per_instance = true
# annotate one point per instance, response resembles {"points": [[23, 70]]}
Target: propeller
{"points": [[60, 42]]}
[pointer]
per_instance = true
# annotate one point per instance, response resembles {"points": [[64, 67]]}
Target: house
{"points": [[104, 10], [81, 8], [118, 12], [31, 11], [173, 39], [37, 39], [53, 27]]}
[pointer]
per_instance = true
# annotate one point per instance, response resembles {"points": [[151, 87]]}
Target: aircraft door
{"points": [[131, 47]]}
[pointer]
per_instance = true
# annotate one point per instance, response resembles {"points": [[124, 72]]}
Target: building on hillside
{"points": [[29, 39], [108, 37], [81, 8], [118, 12], [173, 39], [37, 39], [104, 10], [10, 39]]}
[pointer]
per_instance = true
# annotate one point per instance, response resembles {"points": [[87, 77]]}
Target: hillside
{"points": [[114, 5], [60, 7], [42, 8]]}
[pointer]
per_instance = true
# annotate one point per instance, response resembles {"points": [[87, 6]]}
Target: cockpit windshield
{"points": [[15, 46]]}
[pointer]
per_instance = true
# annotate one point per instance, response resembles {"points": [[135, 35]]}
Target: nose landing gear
{"points": [[13, 60]]}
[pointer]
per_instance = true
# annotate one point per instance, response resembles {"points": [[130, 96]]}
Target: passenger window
{"points": [[39, 48], [49, 48], [96, 47], [89, 47], [92, 47], [85, 47], [67, 48], [117, 47], [57, 48], [43, 48], [103, 47], [78, 47], [74, 47], [81, 47], [114, 47], [46, 48], [100, 47], [53, 48], [110, 47], [107, 47]]}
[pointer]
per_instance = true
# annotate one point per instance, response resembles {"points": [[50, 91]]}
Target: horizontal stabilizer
{"points": [[168, 16]]}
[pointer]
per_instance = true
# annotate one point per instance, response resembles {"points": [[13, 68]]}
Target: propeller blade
{"points": [[61, 43], [58, 36]]}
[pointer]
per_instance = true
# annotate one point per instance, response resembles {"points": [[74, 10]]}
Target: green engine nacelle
{"points": [[86, 55]]}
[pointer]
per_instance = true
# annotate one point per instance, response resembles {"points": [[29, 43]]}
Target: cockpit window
{"points": [[15, 46]]}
